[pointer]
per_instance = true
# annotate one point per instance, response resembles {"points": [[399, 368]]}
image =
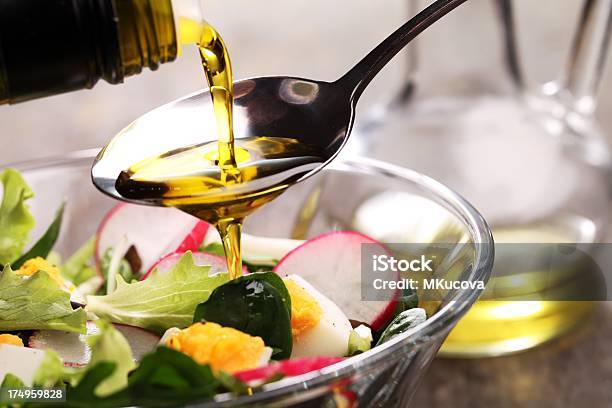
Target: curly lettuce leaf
{"points": [[16, 221], [161, 301], [10, 382], [35, 303], [108, 348], [51, 371]]}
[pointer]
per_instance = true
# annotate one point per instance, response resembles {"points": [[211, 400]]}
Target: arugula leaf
{"points": [[232, 383], [16, 221], [44, 245], [169, 370], [84, 394], [409, 299], [257, 304], [161, 301], [125, 270], [78, 269], [402, 322], [215, 249], [259, 267], [36, 302]]}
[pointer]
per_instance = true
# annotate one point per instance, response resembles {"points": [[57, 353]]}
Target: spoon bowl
{"points": [[311, 112]]}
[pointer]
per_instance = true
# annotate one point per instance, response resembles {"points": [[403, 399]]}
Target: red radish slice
{"points": [[217, 263], [288, 368], [73, 348], [154, 231], [195, 237], [331, 263]]}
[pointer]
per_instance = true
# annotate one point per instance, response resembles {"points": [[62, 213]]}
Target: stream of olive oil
{"points": [[224, 181], [218, 71]]}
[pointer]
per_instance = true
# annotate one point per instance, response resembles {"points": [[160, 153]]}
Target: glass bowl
{"points": [[386, 376]]}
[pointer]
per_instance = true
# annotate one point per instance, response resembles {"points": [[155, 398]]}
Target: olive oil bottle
{"points": [[49, 47]]}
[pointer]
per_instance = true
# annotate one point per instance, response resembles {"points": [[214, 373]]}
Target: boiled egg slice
{"points": [[319, 326], [20, 361], [223, 348]]}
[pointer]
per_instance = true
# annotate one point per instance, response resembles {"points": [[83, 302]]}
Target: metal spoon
{"points": [[314, 112]]}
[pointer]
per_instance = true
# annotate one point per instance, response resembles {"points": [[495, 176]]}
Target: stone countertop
{"points": [[572, 371]]}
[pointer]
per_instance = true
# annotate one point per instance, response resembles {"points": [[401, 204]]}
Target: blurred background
{"points": [[321, 39], [303, 38]]}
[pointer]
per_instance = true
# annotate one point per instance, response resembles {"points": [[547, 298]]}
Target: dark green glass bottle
{"points": [[49, 47]]}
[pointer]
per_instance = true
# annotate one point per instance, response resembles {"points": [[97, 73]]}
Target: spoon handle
{"points": [[588, 54], [513, 63], [358, 78]]}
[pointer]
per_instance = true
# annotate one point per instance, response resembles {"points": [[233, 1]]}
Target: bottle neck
{"points": [[56, 46]]}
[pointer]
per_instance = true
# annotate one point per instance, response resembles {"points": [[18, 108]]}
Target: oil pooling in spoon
{"points": [[221, 182]]}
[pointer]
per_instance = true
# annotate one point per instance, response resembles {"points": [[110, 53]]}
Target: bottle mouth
{"points": [[147, 34], [189, 22]]}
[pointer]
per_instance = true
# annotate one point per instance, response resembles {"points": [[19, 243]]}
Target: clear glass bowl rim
{"points": [[425, 333]]}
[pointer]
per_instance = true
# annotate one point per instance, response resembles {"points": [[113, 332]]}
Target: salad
{"points": [[144, 312]]}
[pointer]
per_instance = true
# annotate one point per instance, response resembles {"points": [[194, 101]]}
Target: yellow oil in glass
{"points": [[501, 325]]}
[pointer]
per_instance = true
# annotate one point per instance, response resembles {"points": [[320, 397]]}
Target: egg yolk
{"points": [[305, 310], [11, 339], [31, 266], [223, 348]]}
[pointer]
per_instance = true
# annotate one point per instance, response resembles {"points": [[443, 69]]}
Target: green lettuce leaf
{"points": [[124, 269], [109, 346], [10, 382], [36, 303], [51, 372], [360, 341], [108, 349], [162, 301], [16, 221], [78, 268], [45, 244]]}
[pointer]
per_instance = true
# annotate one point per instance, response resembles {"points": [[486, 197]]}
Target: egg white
{"points": [[330, 336], [20, 361]]}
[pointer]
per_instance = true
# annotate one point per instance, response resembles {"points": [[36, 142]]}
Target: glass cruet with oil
{"points": [[532, 159]]}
